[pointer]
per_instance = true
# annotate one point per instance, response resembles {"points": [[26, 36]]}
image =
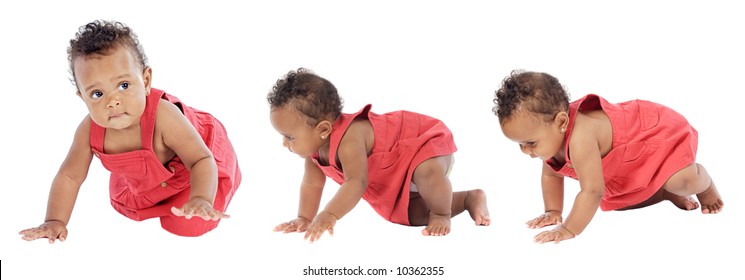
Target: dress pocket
{"points": [[633, 151], [633, 175], [179, 182], [127, 164], [388, 159], [649, 116]]}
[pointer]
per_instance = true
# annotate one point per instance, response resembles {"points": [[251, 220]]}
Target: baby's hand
{"points": [[52, 230], [545, 219], [299, 224], [198, 207], [322, 222], [556, 235]]}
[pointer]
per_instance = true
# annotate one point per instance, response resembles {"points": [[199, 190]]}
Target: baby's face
{"points": [[536, 137], [297, 136], [113, 87]]}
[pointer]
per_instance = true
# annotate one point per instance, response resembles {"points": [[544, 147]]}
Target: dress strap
{"points": [[147, 120], [338, 130]]}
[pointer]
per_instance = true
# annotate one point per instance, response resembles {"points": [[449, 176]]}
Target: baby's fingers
{"points": [[206, 214], [542, 221], [548, 236], [310, 235], [537, 222], [211, 214], [54, 236], [26, 231], [543, 237], [181, 212], [291, 226], [546, 222], [31, 234], [315, 232], [282, 227], [36, 233], [63, 235], [301, 227]]}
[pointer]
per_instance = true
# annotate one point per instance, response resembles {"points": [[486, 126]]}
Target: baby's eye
{"points": [[527, 144], [124, 85], [289, 138], [96, 94]]}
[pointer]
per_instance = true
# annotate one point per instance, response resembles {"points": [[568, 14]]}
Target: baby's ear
{"points": [[562, 119], [147, 78], [324, 128]]}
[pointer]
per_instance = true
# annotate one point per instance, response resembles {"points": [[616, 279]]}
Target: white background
{"points": [[439, 58]]}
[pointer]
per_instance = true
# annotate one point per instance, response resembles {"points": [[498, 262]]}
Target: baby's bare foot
{"points": [[711, 202], [682, 202], [475, 203], [438, 225]]}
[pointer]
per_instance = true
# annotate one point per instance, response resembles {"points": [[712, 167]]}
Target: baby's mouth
{"points": [[114, 116]]}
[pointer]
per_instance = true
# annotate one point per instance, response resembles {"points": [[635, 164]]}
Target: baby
{"points": [[626, 155], [166, 159], [398, 162]]}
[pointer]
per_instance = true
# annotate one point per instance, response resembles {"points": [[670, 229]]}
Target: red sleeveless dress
{"points": [[142, 188], [650, 143], [403, 140]]}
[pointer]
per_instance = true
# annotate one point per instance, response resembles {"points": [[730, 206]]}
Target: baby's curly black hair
{"points": [[310, 94], [536, 92], [101, 37]]}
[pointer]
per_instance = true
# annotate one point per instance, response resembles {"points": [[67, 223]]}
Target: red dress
{"points": [[143, 188], [651, 142], [403, 140]]}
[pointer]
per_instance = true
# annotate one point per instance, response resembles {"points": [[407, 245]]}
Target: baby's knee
{"points": [[689, 180], [701, 178], [434, 167]]}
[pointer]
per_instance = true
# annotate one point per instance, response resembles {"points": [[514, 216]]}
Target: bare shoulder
{"points": [[85, 124], [83, 132], [169, 117], [167, 111], [359, 131], [586, 122], [79, 156], [175, 135], [592, 129], [359, 127]]}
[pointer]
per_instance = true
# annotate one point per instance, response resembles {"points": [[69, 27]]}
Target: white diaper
{"points": [[413, 188]]}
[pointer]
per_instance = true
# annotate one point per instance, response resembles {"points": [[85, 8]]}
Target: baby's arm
{"points": [[65, 187], [552, 185], [180, 136], [587, 163], [311, 190], [352, 153]]}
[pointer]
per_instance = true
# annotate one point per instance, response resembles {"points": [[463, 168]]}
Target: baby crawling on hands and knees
{"points": [[167, 160], [398, 161], [625, 155]]}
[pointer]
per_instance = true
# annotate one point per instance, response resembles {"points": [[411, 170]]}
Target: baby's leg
{"points": [[694, 179], [685, 203], [436, 193], [475, 202], [418, 210]]}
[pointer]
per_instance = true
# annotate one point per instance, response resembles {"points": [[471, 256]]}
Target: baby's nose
{"points": [[113, 102]]}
